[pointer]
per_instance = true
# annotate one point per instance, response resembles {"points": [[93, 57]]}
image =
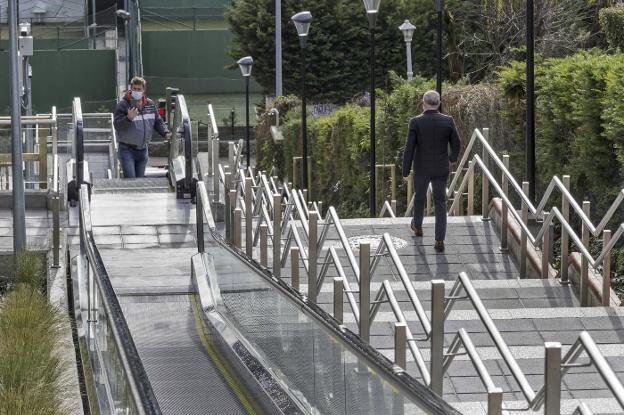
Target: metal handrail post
{"points": [[546, 250], [199, 221], [485, 184], [471, 185], [232, 203], [437, 336], [263, 244], [313, 289], [215, 172], [226, 191], [277, 234], [606, 269], [400, 341], [552, 378], [364, 325], [248, 217], [237, 226], [294, 268], [584, 283], [523, 236], [504, 247], [56, 219], [338, 303], [565, 245]]}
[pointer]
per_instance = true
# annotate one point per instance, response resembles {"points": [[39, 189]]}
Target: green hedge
{"points": [[339, 143], [612, 24]]}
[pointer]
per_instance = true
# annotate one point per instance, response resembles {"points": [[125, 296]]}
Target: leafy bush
{"points": [[339, 143], [30, 368], [612, 23]]}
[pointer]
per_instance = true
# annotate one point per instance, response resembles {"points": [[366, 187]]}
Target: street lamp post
{"points": [[408, 32], [439, 9], [372, 10], [125, 16], [302, 23], [19, 203], [530, 102], [245, 65]]}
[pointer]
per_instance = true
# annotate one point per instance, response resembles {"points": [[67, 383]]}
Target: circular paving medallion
{"points": [[374, 241]]}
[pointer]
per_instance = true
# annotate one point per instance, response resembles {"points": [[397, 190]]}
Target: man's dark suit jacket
{"points": [[427, 144]]}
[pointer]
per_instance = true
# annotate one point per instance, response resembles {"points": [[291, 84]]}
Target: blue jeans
{"points": [[133, 161], [438, 190]]}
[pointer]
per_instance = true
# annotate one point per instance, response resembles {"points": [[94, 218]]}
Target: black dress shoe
{"points": [[439, 246], [417, 231]]}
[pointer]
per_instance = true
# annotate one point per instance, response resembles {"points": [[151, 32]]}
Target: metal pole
{"points": [[19, 203], [408, 50], [530, 102], [247, 118], [248, 217], [338, 302], [304, 121], [552, 378], [365, 292], [439, 7], [312, 255], [400, 340], [565, 238], [93, 24], [437, 336], [372, 186], [127, 80], [294, 268], [232, 115], [584, 283], [278, 48], [277, 232], [29, 144]]}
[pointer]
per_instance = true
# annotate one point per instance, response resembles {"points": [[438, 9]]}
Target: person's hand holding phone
{"points": [[132, 112]]}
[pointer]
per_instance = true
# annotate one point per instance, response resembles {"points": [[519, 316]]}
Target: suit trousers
{"points": [[438, 187]]}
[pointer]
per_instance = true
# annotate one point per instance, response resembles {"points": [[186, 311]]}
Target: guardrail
{"points": [[330, 337], [121, 383], [542, 240]]}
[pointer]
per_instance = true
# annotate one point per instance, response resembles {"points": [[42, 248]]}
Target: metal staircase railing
{"points": [[365, 311], [540, 240]]}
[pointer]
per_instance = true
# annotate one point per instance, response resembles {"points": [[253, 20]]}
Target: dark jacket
{"points": [[426, 148], [138, 132]]}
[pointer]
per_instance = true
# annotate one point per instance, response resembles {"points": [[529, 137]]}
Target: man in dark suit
{"points": [[426, 151]]}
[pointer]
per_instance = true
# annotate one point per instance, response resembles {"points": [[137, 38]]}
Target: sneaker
{"points": [[439, 246], [417, 231]]}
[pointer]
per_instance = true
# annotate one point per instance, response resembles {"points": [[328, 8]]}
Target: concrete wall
{"points": [[192, 60], [58, 76]]}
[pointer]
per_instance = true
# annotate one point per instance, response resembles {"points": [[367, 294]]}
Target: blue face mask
{"points": [[137, 95]]}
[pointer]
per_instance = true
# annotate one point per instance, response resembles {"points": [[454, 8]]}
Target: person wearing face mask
{"points": [[136, 116]]}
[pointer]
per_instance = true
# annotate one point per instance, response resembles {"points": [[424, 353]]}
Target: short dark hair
{"points": [[137, 80]]}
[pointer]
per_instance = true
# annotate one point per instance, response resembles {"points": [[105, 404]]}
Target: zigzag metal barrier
{"points": [[365, 310]]}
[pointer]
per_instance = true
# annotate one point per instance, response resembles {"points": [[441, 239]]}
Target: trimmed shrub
{"points": [[612, 24]]}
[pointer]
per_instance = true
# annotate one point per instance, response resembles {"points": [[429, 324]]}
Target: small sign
{"points": [[321, 110]]}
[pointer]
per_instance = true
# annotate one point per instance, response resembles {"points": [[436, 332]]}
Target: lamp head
{"points": [[122, 14], [245, 65], [302, 23], [408, 31], [372, 10]]}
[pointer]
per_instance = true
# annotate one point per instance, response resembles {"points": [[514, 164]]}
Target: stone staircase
{"points": [[527, 312]]}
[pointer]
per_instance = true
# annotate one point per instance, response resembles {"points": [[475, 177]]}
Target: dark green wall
{"points": [[59, 76], [192, 60]]}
